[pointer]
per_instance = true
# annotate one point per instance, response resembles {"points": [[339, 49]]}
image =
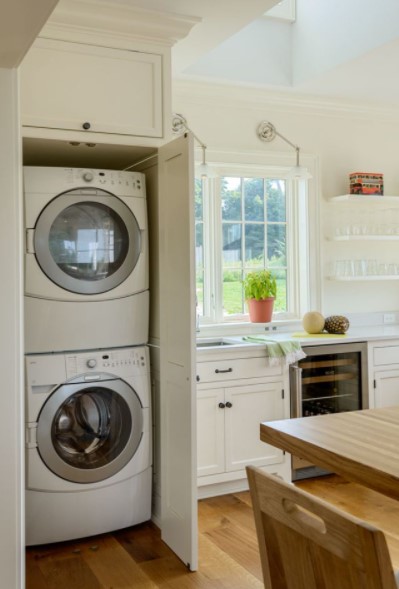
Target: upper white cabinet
{"points": [[102, 70], [77, 87]]}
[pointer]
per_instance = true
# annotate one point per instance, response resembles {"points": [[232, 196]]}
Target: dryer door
{"points": [[88, 432], [87, 241]]}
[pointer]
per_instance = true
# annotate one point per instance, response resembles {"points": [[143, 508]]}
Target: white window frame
{"points": [[303, 256]]}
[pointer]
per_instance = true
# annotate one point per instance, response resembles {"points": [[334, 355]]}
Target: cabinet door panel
{"points": [[251, 405], [64, 85], [210, 432], [387, 388]]}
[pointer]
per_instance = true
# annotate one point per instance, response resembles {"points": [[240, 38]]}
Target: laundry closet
{"points": [[95, 103]]}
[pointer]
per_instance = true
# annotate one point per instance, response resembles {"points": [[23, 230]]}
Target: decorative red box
{"points": [[366, 183]]}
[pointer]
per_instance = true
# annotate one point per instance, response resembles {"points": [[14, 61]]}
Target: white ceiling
{"points": [[339, 48], [345, 48]]}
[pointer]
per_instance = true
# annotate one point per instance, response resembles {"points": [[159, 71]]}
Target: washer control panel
{"points": [[120, 362]]}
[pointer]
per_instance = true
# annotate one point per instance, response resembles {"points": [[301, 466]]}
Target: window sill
{"points": [[247, 328]]}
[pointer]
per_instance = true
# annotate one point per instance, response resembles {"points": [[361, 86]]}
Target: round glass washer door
{"points": [[85, 243], [88, 432]]}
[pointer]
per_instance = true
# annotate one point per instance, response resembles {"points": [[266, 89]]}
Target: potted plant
{"points": [[260, 290]]}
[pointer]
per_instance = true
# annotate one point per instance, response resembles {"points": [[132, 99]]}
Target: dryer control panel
{"points": [[55, 180], [119, 362]]}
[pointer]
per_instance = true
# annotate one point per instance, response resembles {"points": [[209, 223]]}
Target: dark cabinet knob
{"points": [[198, 378], [229, 405], [222, 405], [86, 126]]}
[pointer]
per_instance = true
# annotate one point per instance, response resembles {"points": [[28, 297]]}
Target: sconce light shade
{"points": [[299, 173], [267, 132]]}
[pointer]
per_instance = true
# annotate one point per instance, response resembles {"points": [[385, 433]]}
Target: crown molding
{"points": [[75, 19], [211, 94]]}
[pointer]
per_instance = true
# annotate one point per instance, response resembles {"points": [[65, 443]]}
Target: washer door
{"points": [[88, 432], [87, 242]]}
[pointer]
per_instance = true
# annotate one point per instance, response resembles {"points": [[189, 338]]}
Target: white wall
{"points": [[11, 406], [344, 137]]}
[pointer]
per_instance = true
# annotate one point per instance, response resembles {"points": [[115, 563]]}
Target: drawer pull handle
{"points": [[221, 405], [217, 371], [229, 405]]}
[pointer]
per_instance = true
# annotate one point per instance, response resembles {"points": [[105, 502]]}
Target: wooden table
{"points": [[362, 446]]}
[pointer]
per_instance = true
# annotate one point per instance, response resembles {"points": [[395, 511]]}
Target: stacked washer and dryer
{"points": [[88, 401]]}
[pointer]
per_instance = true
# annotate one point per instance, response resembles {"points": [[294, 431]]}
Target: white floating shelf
{"points": [[364, 238], [364, 198], [364, 278]]}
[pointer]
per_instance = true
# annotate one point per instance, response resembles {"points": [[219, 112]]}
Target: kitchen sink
{"points": [[215, 343]]}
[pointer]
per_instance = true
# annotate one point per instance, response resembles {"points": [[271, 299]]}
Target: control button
{"points": [[88, 177], [91, 363]]}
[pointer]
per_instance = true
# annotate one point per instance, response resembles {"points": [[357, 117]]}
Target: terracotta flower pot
{"points": [[260, 311]]}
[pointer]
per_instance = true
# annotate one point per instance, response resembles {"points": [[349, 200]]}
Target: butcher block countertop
{"points": [[362, 446]]}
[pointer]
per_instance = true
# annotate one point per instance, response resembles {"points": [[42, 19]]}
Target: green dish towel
{"points": [[279, 353]]}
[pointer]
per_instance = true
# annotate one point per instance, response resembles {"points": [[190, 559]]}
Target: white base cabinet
{"points": [[229, 414], [384, 373], [386, 393]]}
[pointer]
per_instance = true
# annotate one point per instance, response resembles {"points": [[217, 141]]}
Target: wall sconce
{"points": [[267, 132], [179, 126]]}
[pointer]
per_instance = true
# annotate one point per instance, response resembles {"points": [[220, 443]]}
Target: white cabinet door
{"points": [[210, 431], [178, 400], [386, 388], [246, 407], [68, 85]]}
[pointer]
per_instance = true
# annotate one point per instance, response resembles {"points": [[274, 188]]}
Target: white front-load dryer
{"points": [[86, 259], [88, 443]]}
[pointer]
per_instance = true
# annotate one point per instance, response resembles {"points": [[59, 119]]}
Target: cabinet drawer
{"points": [[223, 370], [386, 355]]}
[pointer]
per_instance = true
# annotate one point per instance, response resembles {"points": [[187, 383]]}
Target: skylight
{"points": [[284, 10]]}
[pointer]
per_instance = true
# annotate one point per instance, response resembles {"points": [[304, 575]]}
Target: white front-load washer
{"points": [[86, 259], [88, 443]]}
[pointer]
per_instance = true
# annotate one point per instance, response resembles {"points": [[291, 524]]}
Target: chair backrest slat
{"points": [[305, 543]]}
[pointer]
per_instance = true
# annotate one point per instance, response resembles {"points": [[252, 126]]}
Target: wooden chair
{"points": [[305, 543]]}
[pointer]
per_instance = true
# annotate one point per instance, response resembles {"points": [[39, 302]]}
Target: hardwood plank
{"points": [[111, 564], [35, 578], [143, 542], [67, 573]]}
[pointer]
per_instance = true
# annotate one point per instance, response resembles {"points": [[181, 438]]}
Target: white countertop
{"points": [[354, 334]]}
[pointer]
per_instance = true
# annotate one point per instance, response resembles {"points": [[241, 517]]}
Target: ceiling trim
{"points": [[246, 96], [78, 19]]}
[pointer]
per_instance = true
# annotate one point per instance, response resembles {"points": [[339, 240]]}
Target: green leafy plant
{"points": [[260, 285]]}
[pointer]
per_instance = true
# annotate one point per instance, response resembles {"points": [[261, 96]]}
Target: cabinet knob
{"points": [[229, 405], [86, 126], [198, 378], [222, 405]]}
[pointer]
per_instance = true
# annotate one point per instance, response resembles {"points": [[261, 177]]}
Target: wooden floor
{"points": [[136, 558]]}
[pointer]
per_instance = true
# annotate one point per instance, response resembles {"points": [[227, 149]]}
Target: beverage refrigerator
{"points": [[331, 379]]}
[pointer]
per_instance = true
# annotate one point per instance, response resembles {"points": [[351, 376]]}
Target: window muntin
{"points": [[253, 217]]}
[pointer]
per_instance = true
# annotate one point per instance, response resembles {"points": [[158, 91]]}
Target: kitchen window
{"points": [[249, 219]]}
